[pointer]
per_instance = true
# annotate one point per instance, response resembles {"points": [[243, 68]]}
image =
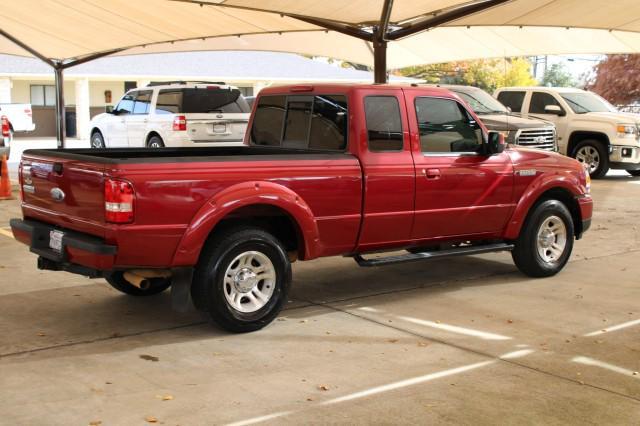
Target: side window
{"points": [[297, 122], [169, 102], [445, 126], [143, 102], [384, 125], [512, 100], [125, 106], [329, 123], [301, 122], [539, 100], [268, 121]]}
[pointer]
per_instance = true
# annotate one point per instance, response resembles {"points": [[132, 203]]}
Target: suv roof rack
{"points": [[165, 83]]}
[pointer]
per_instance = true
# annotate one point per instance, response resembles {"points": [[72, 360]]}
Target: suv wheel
{"points": [[594, 154], [546, 240], [155, 142], [97, 141], [242, 279]]}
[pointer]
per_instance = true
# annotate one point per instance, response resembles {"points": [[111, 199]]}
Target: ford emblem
{"points": [[57, 194]]}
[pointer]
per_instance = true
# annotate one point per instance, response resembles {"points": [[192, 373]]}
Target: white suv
{"points": [[589, 128], [174, 115]]}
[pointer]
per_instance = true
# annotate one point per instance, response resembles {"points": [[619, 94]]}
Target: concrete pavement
{"points": [[463, 340]]}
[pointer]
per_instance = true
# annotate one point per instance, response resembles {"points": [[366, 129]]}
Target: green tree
{"points": [[558, 76]]}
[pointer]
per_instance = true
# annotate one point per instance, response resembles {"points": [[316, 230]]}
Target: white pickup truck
{"points": [[589, 128], [179, 114], [14, 118]]}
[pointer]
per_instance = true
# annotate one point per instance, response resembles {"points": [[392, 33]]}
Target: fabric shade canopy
{"points": [[68, 30]]}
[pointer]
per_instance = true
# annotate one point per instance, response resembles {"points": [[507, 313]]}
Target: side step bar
{"points": [[412, 257]]}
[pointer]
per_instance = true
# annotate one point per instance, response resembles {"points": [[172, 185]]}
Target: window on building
{"points": [[445, 126], [303, 122], [384, 125], [43, 95]]}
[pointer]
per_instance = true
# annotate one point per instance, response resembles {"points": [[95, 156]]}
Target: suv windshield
{"points": [[583, 102], [201, 101], [481, 102]]}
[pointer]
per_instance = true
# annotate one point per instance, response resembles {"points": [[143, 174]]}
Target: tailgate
{"points": [[229, 127], [64, 192]]}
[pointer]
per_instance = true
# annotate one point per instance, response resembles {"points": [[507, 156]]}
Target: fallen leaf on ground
{"points": [[167, 397], [423, 344], [41, 334], [323, 387], [392, 340], [309, 399], [510, 321], [95, 423], [151, 419], [635, 373], [149, 358]]}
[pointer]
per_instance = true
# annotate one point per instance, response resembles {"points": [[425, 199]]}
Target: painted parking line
{"points": [[6, 232], [594, 362], [260, 419], [455, 329], [613, 328]]}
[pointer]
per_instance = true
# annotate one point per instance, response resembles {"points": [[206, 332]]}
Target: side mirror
{"points": [[509, 110], [554, 109], [114, 111], [495, 143]]}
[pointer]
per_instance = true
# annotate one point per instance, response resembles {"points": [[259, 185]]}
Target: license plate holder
{"points": [[55, 240]]}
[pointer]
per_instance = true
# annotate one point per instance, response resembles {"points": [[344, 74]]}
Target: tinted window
{"points": [[302, 122], [384, 125], [268, 121], [143, 101], [298, 119], [204, 100], [539, 100], [169, 102], [512, 100], [125, 106], [329, 123], [445, 126]]}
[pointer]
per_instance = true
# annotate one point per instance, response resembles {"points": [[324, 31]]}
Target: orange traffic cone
{"points": [[5, 183]]}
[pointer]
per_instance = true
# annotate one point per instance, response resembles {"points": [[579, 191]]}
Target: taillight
{"points": [[5, 126], [179, 123], [118, 201]]}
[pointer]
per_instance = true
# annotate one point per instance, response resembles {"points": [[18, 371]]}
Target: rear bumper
{"points": [[80, 253]]}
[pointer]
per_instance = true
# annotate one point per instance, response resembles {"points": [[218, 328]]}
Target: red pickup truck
{"points": [[329, 170]]}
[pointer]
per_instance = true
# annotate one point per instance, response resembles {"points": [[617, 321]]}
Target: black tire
{"points": [[97, 141], [603, 157], [155, 142], [635, 173], [526, 255], [208, 289], [117, 281]]}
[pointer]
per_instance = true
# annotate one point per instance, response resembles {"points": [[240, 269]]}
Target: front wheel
{"points": [[546, 240], [594, 154], [155, 142], [242, 279], [635, 173], [97, 141]]}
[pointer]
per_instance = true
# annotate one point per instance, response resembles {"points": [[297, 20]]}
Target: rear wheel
{"points": [[593, 153], [242, 279], [635, 173], [97, 141], [155, 141], [546, 240], [117, 281]]}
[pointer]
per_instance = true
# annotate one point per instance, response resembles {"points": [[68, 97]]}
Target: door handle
{"points": [[431, 174]]}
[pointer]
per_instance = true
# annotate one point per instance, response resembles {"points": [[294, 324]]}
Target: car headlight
{"points": [[628, 131]]}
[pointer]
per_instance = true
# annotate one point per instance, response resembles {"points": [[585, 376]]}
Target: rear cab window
{"points": [[201, 100], [384, 123], [309, 122], [512, 99]]}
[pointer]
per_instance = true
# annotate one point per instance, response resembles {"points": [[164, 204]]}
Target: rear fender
{"points": [[243, 195], [534, 191]]}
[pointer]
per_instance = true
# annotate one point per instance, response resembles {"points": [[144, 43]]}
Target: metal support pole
{"points": [[60, 110], [380, 62]]}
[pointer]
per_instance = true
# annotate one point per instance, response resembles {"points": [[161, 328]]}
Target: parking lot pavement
{"points": [[464, 340]]}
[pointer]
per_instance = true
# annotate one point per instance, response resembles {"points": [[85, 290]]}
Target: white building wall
{"points": [[5, 90]]}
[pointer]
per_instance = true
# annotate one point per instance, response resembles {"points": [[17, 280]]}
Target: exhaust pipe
{"points": [[140, 278]]}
